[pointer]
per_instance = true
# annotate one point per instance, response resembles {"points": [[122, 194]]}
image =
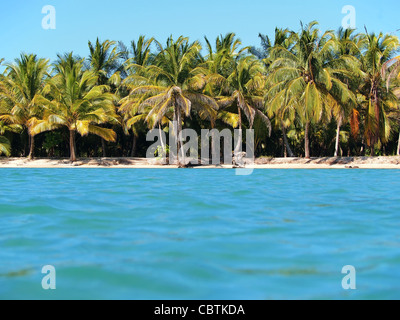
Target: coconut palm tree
{"points": [[219, 62], [137, 59], [305, 79], [283, 38], [283, 111], [391, 72], [5, 145], [105, 61], [243, 89], [377, 51], [222, 59], [21, 90], [140, 52], [171, 85], [346, 57], [230, 75], [77, 102]]}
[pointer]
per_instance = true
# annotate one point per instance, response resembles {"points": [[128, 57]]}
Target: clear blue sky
{"points": [[83, 20]]}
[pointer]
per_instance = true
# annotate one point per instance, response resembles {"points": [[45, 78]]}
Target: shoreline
{"points": [[388, 162]]}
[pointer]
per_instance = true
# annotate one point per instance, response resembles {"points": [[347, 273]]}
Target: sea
{"points": [[184, 234]]}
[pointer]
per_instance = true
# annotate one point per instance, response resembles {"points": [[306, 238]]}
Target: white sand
{"points": [[260, 163]]}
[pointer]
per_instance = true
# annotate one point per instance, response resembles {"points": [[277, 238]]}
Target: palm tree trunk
{"points": [[177, 131], [31, 147], [175, 134], [377, 117], [178, 134], [284, 151], [362, 150], [72, 145], [103, 147], [213, 146], [240, 118], [285, 140], [133, 145], [306, 140], [178, 145], [338, 136], [161, 139], [26, 146], [237, 147], [398, 146]]}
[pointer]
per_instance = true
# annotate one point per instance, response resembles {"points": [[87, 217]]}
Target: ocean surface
{"points": [[199, 234]]}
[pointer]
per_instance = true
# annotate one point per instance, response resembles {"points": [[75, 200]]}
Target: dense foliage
{"points": [[305, 93]]}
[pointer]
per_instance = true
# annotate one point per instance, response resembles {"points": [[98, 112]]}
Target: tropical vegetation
{"points": [[308, 93]]}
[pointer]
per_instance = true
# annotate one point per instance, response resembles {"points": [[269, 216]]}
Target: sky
{"points": [[78, 21]]}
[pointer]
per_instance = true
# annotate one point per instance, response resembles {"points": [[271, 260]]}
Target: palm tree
{"points": [[243, 89], [283, 38], [230, 76], [5, 145], [377, 51], [278, 105], [219, 62], [141, 51], [227, 49], [20, 92], [305, 79], [346, 57], [77, 102], [235, 81], [393, 82], [105, 61], [171, 85], [137, 60]]}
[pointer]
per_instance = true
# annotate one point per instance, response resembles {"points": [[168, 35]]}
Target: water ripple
{"points": [[199, 234]]}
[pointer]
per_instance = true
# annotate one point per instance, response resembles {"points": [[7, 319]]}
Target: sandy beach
{"points": [[260, 163]]}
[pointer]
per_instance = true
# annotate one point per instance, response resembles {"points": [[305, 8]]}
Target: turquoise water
{"points": [[199, 234]]}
